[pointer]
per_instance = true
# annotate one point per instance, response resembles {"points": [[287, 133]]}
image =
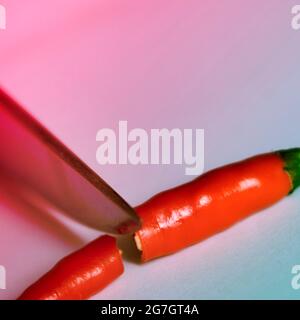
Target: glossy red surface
{"points": [[210, 204], [81, 274]]}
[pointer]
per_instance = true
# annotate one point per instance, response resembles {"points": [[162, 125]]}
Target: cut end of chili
{"points": [[138, 242]]}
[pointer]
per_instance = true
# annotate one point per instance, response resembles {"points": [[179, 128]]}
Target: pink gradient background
{"points": [[230, 67]]}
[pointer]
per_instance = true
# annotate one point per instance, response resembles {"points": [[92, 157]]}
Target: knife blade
{"points": [[32, 155]]}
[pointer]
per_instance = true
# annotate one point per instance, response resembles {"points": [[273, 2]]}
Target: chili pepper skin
{"points": [[187, 214], [81, 274]]}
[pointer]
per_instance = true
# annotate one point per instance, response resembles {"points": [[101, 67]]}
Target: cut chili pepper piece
{"points": [[185, 215], [81, 274]]}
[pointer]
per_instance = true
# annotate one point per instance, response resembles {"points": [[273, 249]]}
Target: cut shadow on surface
{"points": [[129, 250]]}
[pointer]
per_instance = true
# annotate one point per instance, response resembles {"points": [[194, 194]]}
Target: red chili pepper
{"points": [[81, 274], [185, 215]]}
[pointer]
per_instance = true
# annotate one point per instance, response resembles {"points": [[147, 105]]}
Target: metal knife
{"points": [[32, 155]]}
